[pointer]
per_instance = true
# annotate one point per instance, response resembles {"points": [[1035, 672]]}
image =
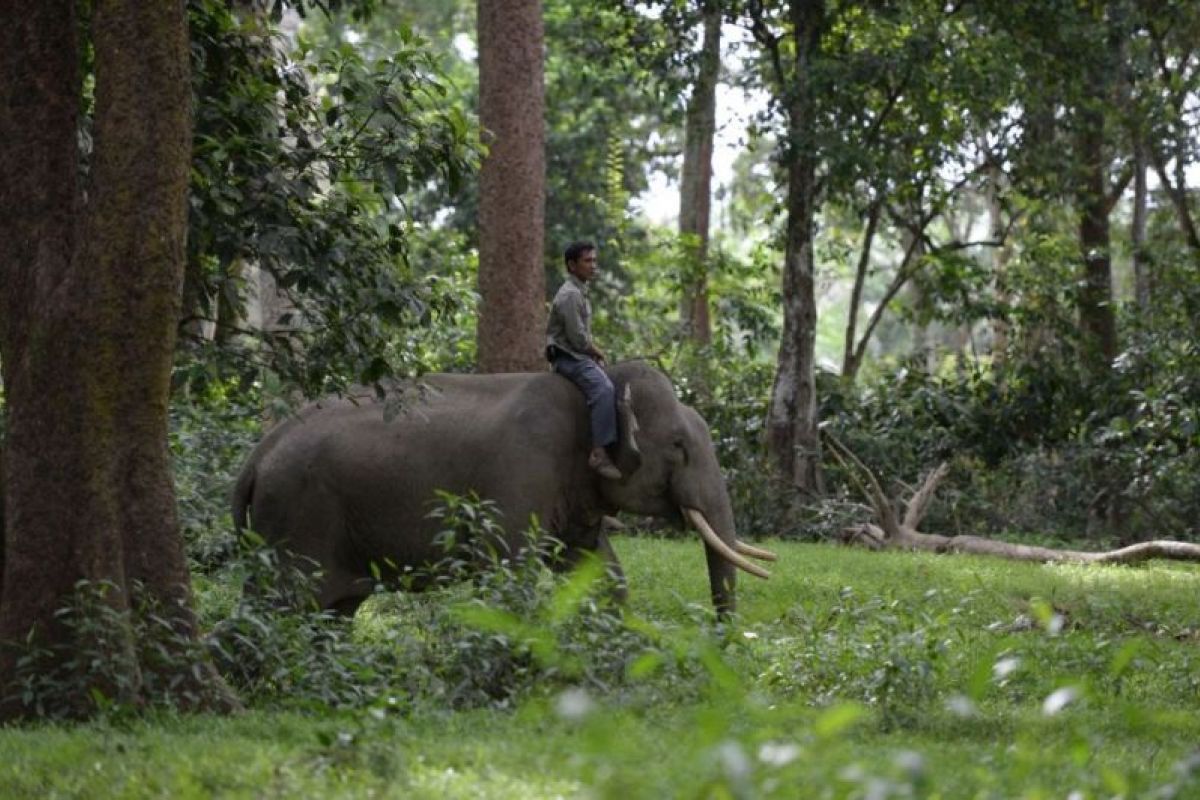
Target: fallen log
{"points": [[889, 531]]}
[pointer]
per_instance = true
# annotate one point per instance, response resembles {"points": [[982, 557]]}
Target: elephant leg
{"points": [[343, 592], [620, 587], [571, 555], [346, 606]]}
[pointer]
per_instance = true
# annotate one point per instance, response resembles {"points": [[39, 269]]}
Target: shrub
{"points": [[494, 626], [153, 674], [211, 434]]}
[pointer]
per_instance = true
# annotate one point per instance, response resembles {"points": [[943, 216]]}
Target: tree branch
{"points": [[763, 35], [871, 489], [849, 366], [1119, 186], [920, 501]]}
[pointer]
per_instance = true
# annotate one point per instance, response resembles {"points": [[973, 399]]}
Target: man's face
{"points": [[584, 267]]}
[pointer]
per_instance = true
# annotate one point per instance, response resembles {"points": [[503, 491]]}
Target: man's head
{"points": [[581, 260]]}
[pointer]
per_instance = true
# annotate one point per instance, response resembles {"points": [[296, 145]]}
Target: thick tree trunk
{"points": [[792, 438], [38, 201], [91, 301], [512, 282], [1097, 320], [695, 191]]}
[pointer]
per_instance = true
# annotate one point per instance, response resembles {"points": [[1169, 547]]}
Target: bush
{"points": [[211, 435], [1040, 447], [155, 673], [494, 626], [519, 626]]}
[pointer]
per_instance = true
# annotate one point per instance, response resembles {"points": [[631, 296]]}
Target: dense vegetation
{"points": [[953, 155]]}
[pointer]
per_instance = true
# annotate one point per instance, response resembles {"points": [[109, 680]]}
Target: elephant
{"points": [[345, 487]]}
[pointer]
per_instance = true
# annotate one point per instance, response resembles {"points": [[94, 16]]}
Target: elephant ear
{"points": [[628, 456]]}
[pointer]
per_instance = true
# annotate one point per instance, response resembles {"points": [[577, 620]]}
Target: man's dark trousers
{"points": [[597, 388]]}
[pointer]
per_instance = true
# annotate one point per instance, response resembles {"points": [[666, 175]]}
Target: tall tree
{"points": [[1097, 317], [90, 275], [792, 435], [1143, 278], [512, 283], [695, 187]]}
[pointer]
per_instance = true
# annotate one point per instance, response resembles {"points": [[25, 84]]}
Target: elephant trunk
{"points": [[724, 554], [729, 552]]}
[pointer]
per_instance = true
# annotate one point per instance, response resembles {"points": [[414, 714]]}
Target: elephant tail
{"points": [[243, 496]]}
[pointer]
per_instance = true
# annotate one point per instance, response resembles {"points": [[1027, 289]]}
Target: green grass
{"points": [[850, 674]]}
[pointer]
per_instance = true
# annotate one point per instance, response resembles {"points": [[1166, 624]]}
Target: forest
{"points": [[900, 300]]}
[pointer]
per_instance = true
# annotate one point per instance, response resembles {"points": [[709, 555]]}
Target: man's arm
{"points": [[575, 328]]}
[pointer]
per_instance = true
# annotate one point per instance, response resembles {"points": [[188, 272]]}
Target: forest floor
{"points": [[849, 674]]}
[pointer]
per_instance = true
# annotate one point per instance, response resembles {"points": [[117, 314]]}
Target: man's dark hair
{"points": [[576, 249]]}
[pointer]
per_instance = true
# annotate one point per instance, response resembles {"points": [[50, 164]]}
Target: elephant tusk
{"points": [[753, 552], [725, 551]]}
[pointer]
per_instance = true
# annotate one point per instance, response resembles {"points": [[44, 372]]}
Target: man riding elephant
{"points": [[347, 489], [573, 353]]}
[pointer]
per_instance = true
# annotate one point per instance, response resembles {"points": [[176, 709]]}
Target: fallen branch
{"points": [[888, 533]]}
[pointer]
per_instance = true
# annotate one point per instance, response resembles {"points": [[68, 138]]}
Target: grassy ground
{"points": [[851, 674]]}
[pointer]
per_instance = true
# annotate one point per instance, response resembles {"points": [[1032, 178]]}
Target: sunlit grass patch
{"points": [[847, 674]]}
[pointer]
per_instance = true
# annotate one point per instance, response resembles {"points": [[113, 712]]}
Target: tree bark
{"points": [[512, 282], [90, 288], [998, 232], [792, 439], [1142, 277], [695, 191], [1096, 318]]}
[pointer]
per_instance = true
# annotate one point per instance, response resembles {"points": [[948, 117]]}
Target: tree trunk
{"points": [[1178, 192], [90, 295], [997, 232], [851, 360], [1142, 278], [512, 186], [695, 191], [1096, 319], [908, 266], [792, 439]]}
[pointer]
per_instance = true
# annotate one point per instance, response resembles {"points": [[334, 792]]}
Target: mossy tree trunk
{"points": [[512, 187], [695, 187], [792, 438], [91, 267]]}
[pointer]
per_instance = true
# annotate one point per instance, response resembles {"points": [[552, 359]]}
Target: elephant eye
{"points": [[680, 449]]}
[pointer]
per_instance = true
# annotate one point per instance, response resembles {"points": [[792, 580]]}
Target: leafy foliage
{"points": [[301, 163], [494, 627], [47, 677], [211, 433]]}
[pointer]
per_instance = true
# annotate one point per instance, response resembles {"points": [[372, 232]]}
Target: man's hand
{"points": [[598, 355]]}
